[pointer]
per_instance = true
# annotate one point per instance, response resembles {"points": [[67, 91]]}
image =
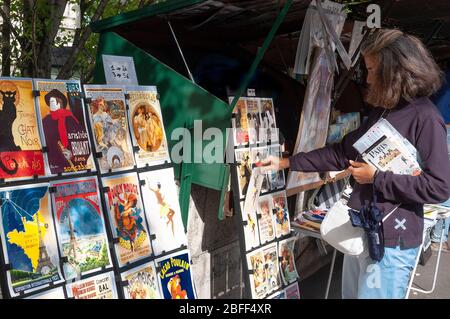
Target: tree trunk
{"points": [[6, 41], [66, 70]]}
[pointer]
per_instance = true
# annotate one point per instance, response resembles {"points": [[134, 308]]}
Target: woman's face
{"points": [[372, 66]]}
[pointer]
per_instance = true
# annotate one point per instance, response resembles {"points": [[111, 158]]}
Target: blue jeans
{"points": [[437, 230], [364, 278]]}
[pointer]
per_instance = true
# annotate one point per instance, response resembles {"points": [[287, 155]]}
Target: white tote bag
{"points": [[337, 230]]}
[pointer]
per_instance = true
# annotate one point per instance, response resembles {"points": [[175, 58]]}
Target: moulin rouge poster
{"points": [[20, 145]]}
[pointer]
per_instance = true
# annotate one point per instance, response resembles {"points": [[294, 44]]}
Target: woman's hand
{"points": [[363, 173], [272, 163]]}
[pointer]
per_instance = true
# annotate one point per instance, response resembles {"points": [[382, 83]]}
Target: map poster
{"points": [[251, 233], [265, 276], [244, 170], [108, 118], [162, 210], [102, 286], [265, 221], [287, 260], [239, 122], [268, 122], [147, 126], [28, 238], [280, 214], [127, 219], [55, 293], [63, 126], [141, 282], [174, 273], [80, 226], [20, 145], [292, 291]]}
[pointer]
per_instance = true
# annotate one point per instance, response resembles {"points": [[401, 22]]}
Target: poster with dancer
{"points": [[251, 233], [269, 132], [55, 293], [127, 219], [80, 227], [102, 286], [63, 126], [244, 170], [147, 126], [239, 122], [265, 221], [265, 275], [109, 123], [141, 282], [287, 260], [174, 273], [162, 210], [28, 238], [20, 145], [280, 214]]}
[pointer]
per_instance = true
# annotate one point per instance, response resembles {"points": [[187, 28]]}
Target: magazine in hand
{"points": [[386, 149]]}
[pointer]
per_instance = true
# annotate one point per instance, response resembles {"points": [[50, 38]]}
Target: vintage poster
{"points": [[269, 132], [265, 220], [174, 273], [20, 144], [280, 214], [287, 260], [109, 123], [28, 238], [147, 126], [162, 210], [141, 282], [314, 120], [275, 178], [244, 170], [102, 286], [55, 293], [254, 121], [63, 126], [253, 191], [239, 122], [257, 155], [265, 275], [250, 225], [80, 226], [292, 291], [127, 218]]}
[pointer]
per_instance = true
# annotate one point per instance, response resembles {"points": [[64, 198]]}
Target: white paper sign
{"points": [[119, 70]]}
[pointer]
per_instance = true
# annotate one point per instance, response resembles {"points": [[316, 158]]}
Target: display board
{"points": [[89, 204], [267, 241]]}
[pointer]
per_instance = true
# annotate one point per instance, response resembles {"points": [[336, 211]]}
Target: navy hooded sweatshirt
{"points": [[419, 122]]}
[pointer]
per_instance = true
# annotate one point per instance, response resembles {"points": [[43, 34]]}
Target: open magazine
{"points": [[386, 149]]}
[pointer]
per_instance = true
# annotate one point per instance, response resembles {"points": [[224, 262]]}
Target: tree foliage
{"points": [[30, 32]]}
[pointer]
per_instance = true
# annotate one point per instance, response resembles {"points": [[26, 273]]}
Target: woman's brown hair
{"points": [[405, 70]]}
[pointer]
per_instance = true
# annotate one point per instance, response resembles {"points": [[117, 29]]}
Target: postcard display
{"points": [[261, 203], [76, 164]]}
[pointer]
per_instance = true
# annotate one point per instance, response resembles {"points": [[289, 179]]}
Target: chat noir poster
{"points": [[20, 146]]}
